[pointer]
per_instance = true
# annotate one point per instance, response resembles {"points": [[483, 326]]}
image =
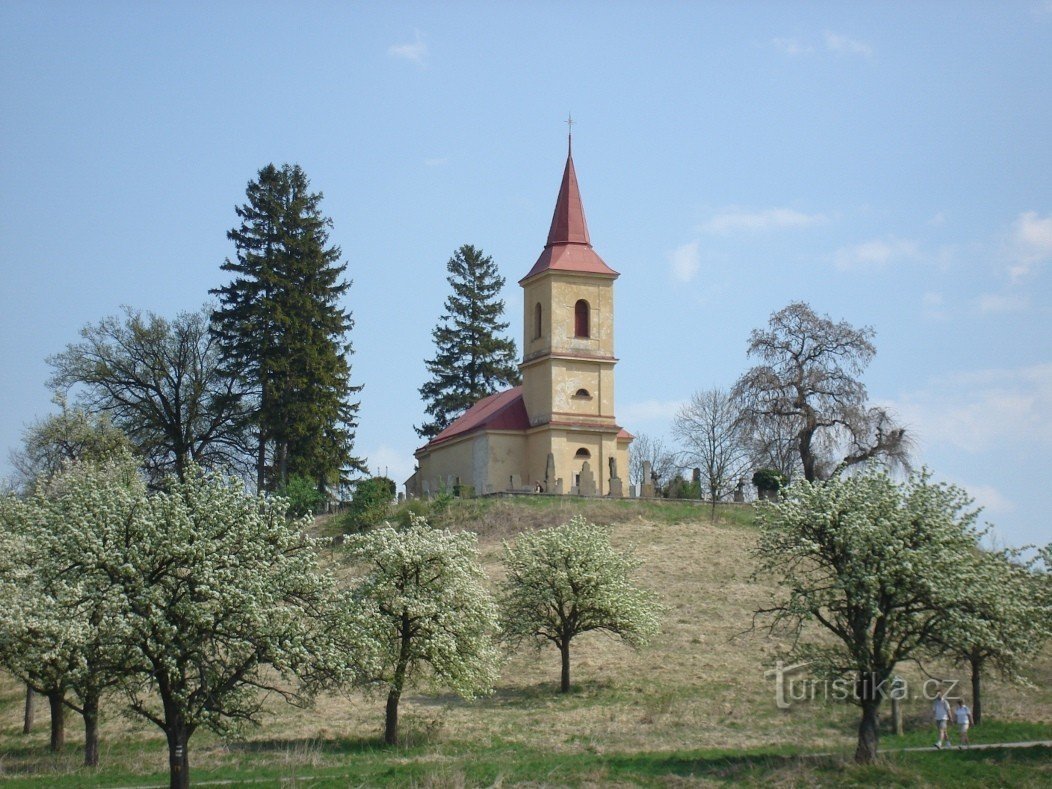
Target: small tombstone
{"points": [[587, 481], [558, 488], [631, 491], [616, 491], [646, 488], [515, 482], [549, 472]]}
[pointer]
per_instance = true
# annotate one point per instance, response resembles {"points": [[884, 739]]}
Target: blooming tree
{"points": [[221, 597], [878, 565], [568, 580], [61, 630], [997, 621], [424, 601]]}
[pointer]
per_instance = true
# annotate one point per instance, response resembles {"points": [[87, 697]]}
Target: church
{"points": [[555, 433]]}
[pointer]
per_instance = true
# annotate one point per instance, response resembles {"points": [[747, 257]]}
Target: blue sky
{"points": [[890, 163]]}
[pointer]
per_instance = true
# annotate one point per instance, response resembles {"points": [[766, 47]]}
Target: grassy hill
{"points": [[694, 706]]}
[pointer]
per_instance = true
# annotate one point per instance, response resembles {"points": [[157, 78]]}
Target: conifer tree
{"points": [[283, 332], [472, 358]]}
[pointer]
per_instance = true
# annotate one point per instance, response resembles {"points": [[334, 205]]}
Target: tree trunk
{"points": [[868, 732], [391, 717], [27, 719], [393, 697], [261, 463], [91, 732], [564, 651], [977, 686], [178, 756], [58, 719]]}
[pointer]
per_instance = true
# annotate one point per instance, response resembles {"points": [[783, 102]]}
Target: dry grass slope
{"points": [[701, 684]]}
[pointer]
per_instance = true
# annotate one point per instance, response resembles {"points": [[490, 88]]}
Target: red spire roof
{"points": [[568, 222], [568, 247]]}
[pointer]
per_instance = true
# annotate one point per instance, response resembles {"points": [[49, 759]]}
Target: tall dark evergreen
{"points": [[473, 359], [284, 334]]}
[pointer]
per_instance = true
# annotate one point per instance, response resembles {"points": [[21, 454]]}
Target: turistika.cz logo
{"points": [[793, 686]]}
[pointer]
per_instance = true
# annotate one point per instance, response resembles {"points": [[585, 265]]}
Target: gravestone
{"points": [[587, 481], [646, 488], [516, 482]]}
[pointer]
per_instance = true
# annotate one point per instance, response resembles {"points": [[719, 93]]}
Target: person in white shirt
{"points": [[963, 716], [941, 711]]}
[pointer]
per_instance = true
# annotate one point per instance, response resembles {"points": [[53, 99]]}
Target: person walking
{"points": [[941, 711], [963, 716]]}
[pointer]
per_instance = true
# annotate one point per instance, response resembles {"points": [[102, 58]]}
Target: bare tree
{"points": [[159, 381], [772, 444], [709, 429], [809, 376], [662, 460]]}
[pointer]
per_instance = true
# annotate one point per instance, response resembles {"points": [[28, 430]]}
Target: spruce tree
{"points": [[472, 358], [283, 332]]}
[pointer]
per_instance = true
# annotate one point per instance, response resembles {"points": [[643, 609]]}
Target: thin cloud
{"points": [[877, 253], [685, 261], [1031, 244], [992, 303], [792, 47], [415, 52], [934, 306], [734, 220], [983, 410], [843, 45], [992, 500]]}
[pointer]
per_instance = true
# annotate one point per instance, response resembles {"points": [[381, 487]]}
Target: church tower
{"points": [[557, 430], [568, 357]]}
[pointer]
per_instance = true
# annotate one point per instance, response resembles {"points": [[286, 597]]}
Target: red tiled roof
{"points": [[569, 247], [501, 411]]}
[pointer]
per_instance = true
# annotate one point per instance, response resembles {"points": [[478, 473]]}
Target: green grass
{"points": [[349, 762], [990, 731]]}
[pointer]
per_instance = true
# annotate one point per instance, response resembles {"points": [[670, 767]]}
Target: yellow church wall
{"points": [[485, 461], [506, 453], [538, 292], [566, 291]]}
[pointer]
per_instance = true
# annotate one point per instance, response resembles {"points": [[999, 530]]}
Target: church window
{"points": [[583, 394], [582, 453], [580, 319], [537, 313]]}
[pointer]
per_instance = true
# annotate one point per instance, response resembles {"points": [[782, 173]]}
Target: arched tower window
{"points": [[583, 453], [537, 315], [580, 319]]}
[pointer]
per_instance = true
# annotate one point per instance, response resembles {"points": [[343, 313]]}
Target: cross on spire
{"points": [[569, 134]]}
